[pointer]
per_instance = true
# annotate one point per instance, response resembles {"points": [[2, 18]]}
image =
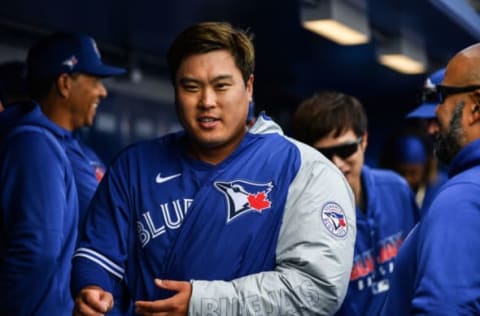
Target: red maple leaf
{"points": [[259, 201]]}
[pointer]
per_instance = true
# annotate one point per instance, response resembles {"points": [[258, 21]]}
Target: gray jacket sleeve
{"points": [[314, 253]]}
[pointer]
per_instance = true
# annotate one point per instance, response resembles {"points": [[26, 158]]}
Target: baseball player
{"points": [[336, 125], [42, 169], [437, 267]]}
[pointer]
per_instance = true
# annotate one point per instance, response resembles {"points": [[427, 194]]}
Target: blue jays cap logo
{"points": [[334, 219], [70, 62], [243, 196]]}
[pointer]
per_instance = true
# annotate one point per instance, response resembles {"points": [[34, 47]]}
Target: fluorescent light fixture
{"points": [[403, 55], [337, 20]]}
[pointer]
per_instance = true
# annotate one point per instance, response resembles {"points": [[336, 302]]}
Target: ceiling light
{"points": [[337, 20], [403, 55]]}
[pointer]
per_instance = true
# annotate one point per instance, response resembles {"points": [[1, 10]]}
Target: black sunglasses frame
{"points": [[343, 151], [445, 91]]}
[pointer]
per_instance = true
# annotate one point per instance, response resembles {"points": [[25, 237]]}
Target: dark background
{"points": [[292, 63]]}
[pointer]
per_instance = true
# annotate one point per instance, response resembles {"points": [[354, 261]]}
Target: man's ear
{"points": [[63, 85]]}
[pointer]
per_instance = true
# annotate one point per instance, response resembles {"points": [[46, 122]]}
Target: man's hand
{"points": [[93, 301], [177, 305]]}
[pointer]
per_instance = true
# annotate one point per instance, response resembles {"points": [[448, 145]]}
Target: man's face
{"points": [[351, 166], [212, 102], [86, 92]]}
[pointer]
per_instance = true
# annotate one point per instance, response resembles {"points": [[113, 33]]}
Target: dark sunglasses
{"points": [[343, 151], [445, 91]]}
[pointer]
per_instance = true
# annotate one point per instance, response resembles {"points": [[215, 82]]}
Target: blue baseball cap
{"points": [[67, 53], [410, 149], [426, 110]]}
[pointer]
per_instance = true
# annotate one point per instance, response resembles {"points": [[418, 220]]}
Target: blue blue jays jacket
{"points": [[390, 213], [88, 170], [268, 230], [437, 266], [38, 215], [432, 189]]}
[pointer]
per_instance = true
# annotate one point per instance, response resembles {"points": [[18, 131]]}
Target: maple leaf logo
{"points": [[259, 201], [243, 197]]}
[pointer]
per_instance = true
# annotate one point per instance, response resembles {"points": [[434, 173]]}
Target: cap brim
{"points": [[105, 71], [425, 111]]}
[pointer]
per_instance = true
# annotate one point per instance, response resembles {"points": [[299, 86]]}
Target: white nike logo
{"points": [[160, 179]]}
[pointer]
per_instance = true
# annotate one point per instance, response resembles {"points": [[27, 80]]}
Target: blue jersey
{"points": [[437, 267], [38, 215], [390, 213], [270, 229]]}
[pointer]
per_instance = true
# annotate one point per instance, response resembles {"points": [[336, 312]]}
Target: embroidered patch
{"points": [[334, 219]]}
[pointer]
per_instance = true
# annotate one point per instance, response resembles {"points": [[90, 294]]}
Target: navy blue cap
{"points": [[410, 149], [426, 110], [67, 53]]}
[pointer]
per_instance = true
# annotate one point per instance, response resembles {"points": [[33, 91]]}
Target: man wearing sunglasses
{"points": [[336, 125], [437, 267]]}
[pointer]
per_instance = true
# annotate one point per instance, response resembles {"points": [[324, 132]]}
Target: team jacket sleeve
{"points": [[448, 282], [313, 264], [33, 203], [92, 261]]}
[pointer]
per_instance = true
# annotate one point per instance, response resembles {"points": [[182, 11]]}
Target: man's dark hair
{"points": [[211, 36], [327, 112]]}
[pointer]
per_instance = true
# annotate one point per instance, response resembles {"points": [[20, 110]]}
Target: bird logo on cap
{"points": [[70, 62]]}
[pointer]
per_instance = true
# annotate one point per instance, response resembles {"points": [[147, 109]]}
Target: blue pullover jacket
{"points": [[38, 214], [437, 266]]}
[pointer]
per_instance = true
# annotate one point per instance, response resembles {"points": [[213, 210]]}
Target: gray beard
{"points": [[448, 143]]}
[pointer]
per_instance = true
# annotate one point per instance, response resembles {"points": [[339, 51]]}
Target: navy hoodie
{"points": [[38, 214]]}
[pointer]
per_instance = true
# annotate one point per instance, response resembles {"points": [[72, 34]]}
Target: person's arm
{"points": [[92, 267], [313, 262], [447, 280], [32, 204]]}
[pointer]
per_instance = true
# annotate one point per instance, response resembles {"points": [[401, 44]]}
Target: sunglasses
{"points": [[343, 151], [444, 92]]}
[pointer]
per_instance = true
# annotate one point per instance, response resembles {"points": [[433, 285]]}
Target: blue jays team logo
{"points": [[70, 62], [334, 219], [243, 196]]}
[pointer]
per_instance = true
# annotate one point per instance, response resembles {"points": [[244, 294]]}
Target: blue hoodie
{"points": [[389, 215], [88, 170], [437, 267], [38, 214]]}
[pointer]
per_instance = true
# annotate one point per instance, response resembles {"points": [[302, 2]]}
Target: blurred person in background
{"points": [[423, 122], [40, 165], [336, 125], [409, 152], [424, 114], [73, 60]]}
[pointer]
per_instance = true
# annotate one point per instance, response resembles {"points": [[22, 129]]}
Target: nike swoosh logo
{"points": [[160, 179]]}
